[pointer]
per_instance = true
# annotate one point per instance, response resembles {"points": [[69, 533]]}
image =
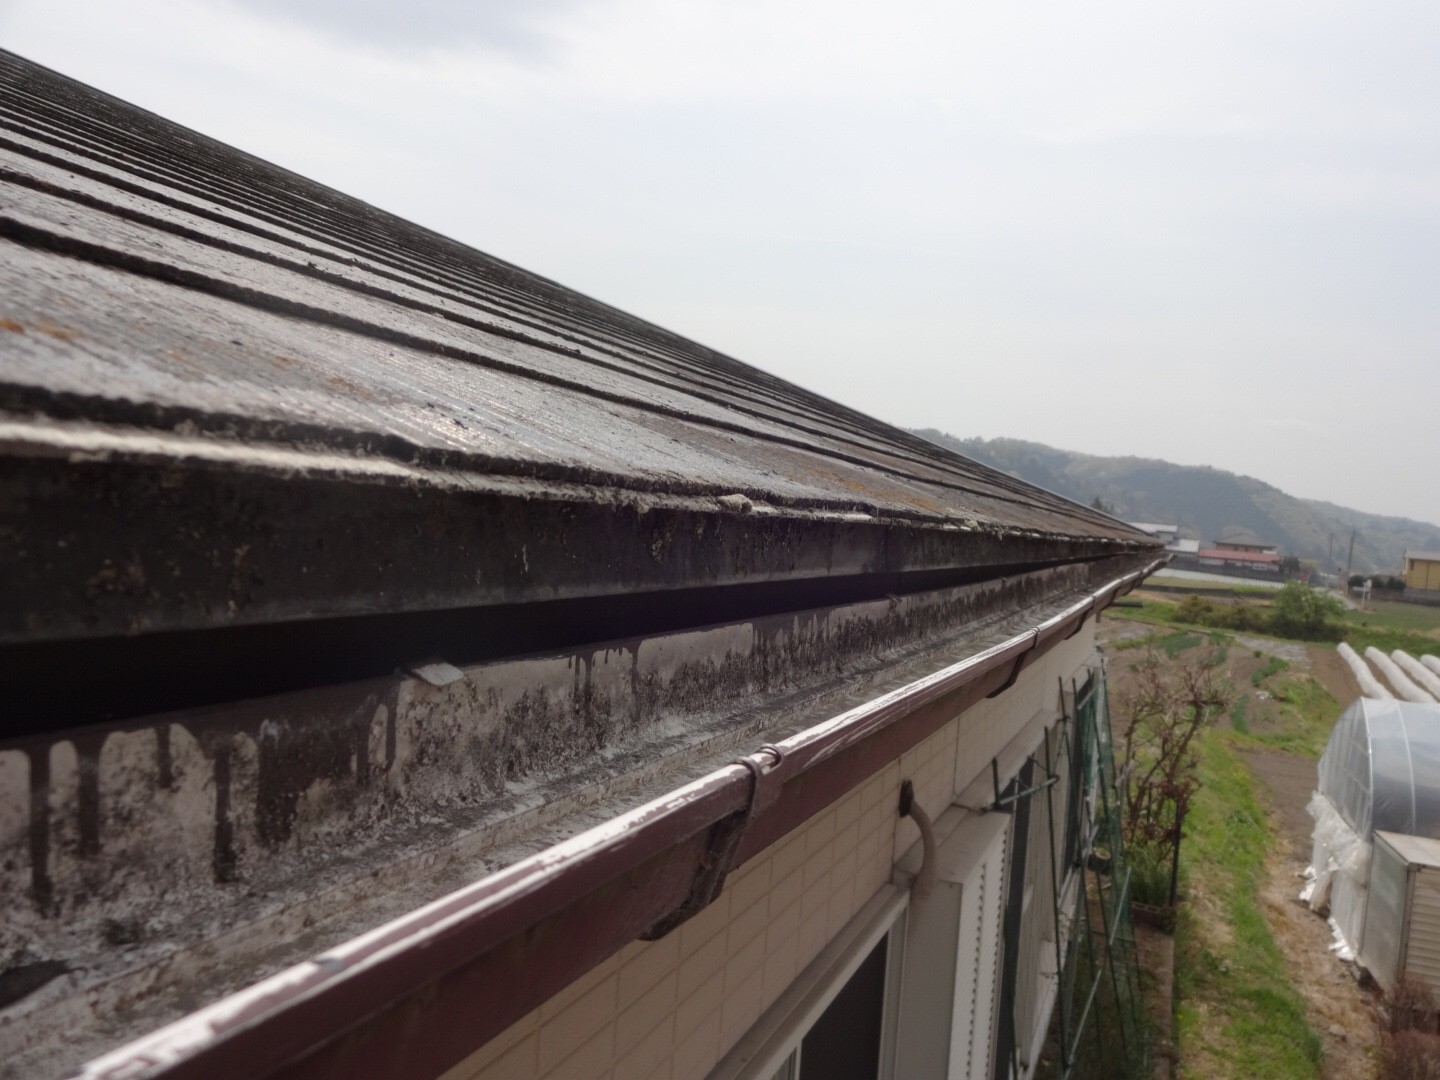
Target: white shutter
{"points": [[977, 966], [953, 943]]}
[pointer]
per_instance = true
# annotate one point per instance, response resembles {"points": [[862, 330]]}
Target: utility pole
{"points": [[1349, 560]]}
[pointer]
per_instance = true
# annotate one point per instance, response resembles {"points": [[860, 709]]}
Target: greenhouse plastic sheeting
{"points": [[1340, 868], [1381, 768]]}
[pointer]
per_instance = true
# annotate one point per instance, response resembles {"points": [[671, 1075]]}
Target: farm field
{"points": [[1195, 580], [1258, 993], [1393, 615]]}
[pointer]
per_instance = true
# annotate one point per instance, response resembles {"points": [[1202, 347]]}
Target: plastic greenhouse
{"points": [[1380, 771]]}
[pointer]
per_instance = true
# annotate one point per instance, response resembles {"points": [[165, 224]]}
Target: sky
{"points": [[1208, 233]]}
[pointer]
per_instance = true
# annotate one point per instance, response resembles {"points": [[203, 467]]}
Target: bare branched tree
{"points": [[1171, 702]]}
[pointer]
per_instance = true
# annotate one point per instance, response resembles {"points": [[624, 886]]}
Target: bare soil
{"points": [[1340, 1011], [1334, 674], [1155, 952]]}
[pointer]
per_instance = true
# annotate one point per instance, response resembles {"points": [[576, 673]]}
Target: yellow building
{"points": [[1422, 570]]}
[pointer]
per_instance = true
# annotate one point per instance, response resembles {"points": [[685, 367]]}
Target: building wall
{"points": [[1422, 574], [670, 1009]]}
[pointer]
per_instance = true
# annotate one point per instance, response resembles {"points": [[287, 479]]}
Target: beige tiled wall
{"points": [[669, 1009]]}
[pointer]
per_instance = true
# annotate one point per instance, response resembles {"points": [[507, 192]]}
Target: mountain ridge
{"points": [[1204, 500]]}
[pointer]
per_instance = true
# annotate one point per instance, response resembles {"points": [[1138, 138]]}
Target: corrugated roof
{"points": [[241, 369]]}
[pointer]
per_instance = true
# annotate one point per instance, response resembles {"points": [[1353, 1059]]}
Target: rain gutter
{"points": [[416, 995]]}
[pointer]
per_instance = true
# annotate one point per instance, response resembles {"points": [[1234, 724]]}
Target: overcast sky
{"points": [[1208, 233]]}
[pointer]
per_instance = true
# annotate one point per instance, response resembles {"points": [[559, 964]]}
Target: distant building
{"points": [[1227, 559], [1170, 534], [1235, 539], [1422, 575]]}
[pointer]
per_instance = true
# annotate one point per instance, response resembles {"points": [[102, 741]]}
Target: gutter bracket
{"points": [[1080, 624], [724, 841], [1020, 664]]}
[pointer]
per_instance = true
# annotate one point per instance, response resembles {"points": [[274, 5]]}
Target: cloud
{"points": [[511, 25], [1021, 219]]}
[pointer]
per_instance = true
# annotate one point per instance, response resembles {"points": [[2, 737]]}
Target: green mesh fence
{"points": [[1098, 1027]]}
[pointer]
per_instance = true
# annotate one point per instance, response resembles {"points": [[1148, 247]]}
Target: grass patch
{"points": [[1174, 644], [1387, 641], [1392, 615], [1360, 635], [1273, 666], [1133, 643], [1307, 714], [1154, 612], [1238, 1015], [1237, 715], [1390, 626], [1299, 721]]}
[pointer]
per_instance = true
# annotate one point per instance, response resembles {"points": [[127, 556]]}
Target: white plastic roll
{"points": [[1369, 685], [1422, 676], [1432, 662], [1397, 678]]}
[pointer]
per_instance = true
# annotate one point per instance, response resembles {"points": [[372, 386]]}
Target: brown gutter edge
{"points": [[417, 995]]}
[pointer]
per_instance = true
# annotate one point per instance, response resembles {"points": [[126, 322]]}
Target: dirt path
{"points": [[1339, 1010], [1334, 674]]}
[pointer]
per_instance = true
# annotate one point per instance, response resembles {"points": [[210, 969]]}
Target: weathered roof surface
{"points": [[213, 364], [1238, 535]]}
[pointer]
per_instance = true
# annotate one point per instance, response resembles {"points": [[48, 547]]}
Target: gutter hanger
{"points": [[282, 1021]]}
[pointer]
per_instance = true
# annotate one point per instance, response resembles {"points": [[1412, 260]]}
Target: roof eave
{"points": [[555, 915]]}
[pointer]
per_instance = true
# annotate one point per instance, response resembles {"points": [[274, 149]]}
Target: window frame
{"points": [[775, 1038]]}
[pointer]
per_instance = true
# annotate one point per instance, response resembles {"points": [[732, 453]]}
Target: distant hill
{"points": [[1204, 501]]}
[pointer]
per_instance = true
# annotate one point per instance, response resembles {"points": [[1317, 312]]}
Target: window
{"points": [[837, 1020]]}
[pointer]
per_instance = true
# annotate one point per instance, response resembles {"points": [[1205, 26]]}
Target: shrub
{"points": [[1298, 612], [1410, 1049], [1243, 617], [1150, 872], [1410, 1006], [1410, 1055], [1306, 613], [1196, 610]]}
